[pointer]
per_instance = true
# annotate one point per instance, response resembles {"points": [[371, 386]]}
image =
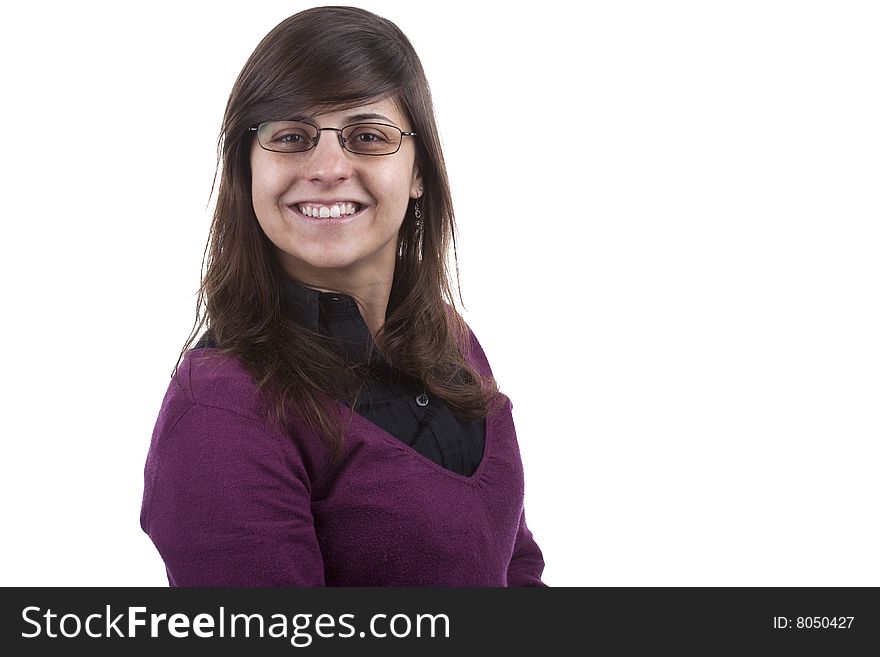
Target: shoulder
{"points": [[213, 420], [209, 379]]}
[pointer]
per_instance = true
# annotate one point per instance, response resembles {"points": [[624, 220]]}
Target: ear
{"points": [[415, 190]]}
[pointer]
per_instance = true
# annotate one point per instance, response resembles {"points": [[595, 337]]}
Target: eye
{"points": [[289, 138], [371, 138], [369, 135]]}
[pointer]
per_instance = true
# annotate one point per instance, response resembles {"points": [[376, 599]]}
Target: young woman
{"points": [[337, 424]]}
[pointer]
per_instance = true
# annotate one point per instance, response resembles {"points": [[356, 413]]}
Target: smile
{"points": [[326, 211], [338, 213]]}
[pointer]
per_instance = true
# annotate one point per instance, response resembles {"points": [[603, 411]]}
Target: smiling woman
{"points": [[328, 212], [338, 423]]}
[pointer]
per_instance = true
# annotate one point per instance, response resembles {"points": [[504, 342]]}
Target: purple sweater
{"points": [[229, 503]]}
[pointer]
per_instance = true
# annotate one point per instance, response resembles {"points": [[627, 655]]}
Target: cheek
{"points": [[266, 187], [394, 186], [259, 193]]}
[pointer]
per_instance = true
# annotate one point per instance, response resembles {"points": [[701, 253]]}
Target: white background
{"points": [[676, 283]]}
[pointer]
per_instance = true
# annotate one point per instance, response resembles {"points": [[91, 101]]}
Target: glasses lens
{"points": [[372, 138], [287, 136]]}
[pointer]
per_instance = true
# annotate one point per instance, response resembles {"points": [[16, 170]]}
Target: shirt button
{"points": [[422, 399]]}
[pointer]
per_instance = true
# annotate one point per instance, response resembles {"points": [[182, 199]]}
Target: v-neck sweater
{"points": [[396, 402], [230, 502]]}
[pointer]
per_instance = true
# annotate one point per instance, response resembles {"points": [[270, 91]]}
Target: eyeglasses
{"points": [[359, 138]]}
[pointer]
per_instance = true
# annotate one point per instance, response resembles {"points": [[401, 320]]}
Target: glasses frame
{"points": [[342, 140]]}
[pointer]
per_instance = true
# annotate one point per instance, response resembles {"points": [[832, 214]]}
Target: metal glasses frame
{"points": [[342, 140]]}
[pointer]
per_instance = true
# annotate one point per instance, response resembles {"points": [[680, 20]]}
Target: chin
{"points": [[338, 265], [325, 262]]}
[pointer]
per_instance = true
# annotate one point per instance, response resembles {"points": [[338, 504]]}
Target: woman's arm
{"points": [[527, 562], [226, 504]]}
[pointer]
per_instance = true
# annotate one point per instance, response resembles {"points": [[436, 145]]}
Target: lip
{"points": [[328, 201], [329, 221]]}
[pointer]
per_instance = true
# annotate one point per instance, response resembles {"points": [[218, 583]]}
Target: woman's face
{"points": [[336, 251]]}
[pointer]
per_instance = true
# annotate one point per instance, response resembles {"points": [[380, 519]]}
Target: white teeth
{"points": [[324, 211]]}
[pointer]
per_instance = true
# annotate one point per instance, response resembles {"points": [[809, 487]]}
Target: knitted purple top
{"points": [[228, 502]]}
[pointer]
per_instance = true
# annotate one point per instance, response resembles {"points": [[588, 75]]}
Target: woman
{"points": [[338, 423]]}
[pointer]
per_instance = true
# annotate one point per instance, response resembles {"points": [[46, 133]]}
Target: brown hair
{"points": [[333, 58]]}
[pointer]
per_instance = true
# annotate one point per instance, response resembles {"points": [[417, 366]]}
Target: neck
{"points": [[372, 300], [370, 288]]}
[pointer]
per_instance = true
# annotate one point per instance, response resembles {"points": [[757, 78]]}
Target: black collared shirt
{"points": [[400, 407]]}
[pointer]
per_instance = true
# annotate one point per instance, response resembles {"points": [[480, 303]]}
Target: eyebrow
{"points": [[369, 115], [354, 118]]}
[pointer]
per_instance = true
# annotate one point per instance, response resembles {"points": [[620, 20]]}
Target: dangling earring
{"points": [[417, 212]]}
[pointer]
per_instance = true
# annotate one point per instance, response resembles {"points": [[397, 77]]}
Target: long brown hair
{"points": [[333, 58]]}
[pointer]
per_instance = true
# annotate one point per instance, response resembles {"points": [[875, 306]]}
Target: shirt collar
{"points": [[330, 313]]}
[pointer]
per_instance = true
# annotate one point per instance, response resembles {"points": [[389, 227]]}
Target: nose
{"points": [[328, 160]]}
